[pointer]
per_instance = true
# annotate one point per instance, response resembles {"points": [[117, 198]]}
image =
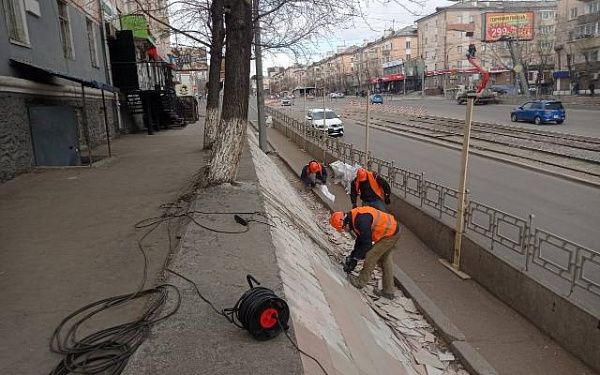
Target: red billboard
{"points": [[513, 25]]}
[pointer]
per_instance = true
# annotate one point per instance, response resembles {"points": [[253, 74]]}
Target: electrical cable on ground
{"points": [[107, 350], [259, 310]]}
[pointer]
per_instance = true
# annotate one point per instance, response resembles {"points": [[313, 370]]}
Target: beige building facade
{"points": [[577, 46]]}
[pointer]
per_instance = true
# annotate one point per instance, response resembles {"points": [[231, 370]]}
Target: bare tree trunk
{"points": [[234, 119], [211, 121]]}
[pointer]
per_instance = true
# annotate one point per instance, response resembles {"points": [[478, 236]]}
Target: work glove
{"points": [[387, 200], [313, 184], [350, 264]]}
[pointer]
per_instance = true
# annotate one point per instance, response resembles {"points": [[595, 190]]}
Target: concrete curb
{"points": [[491, 157], [433, 313], [470, 358]]}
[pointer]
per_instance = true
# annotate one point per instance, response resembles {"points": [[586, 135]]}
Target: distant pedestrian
{"points": [[592, 87], [376, 235], [373, 189]]}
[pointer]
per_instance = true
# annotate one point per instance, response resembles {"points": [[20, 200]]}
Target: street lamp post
{"points": [[260, 99]]}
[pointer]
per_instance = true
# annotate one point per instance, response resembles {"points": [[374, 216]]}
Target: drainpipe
{"points": [[107, 66]]}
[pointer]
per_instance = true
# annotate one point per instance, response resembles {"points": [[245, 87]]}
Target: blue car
{"points": [[376, 99], [539, 112]]}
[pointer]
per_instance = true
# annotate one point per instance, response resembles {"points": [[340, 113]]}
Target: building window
{"points": [[459, 19], [408, 44], [593, 7], [65, 29], [459, 49], [14, 11], [91, 33], [459, 64], [408, 56], [471, 19], [593, 56], [573, 13]]}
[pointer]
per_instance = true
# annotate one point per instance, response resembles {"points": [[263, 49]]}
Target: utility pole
{"points": [[367, 129], [260, 98]]}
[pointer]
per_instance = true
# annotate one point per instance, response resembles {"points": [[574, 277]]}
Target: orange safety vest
{"points": [[383, 226], [374, 185]]}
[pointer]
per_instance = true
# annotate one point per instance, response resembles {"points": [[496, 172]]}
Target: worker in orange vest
{"points": [[373, 190], [313, 172], [376, 235]]}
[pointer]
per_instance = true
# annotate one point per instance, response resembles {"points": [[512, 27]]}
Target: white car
{"points": [[326, 120], [286, 101], [336, 95]]}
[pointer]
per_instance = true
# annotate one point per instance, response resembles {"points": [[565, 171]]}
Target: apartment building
{"points": [[380, 64], [334, 72], [577, 46], [444, 37]]}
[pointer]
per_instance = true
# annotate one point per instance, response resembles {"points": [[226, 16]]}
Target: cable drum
{"points": [[260, 311]]}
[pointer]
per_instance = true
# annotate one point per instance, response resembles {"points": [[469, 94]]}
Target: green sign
{"points": [[139, 25]]}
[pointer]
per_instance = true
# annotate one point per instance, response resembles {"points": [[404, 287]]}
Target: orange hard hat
{"points": [[361, 174], [337, 220], [313, 166]]}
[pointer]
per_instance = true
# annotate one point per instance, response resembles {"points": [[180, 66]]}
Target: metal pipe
{"points": [[107, 64], [106, 125], [86, 130], [460, 217]]}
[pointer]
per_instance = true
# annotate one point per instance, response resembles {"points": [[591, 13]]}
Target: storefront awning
{"points": [[28, 66], [388, 78]]}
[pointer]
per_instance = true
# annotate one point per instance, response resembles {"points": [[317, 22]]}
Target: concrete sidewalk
{"points": [[197, 340], [488, 334], [68, 238]]}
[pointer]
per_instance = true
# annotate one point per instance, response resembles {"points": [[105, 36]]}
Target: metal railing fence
{"points": [[515, 237]]}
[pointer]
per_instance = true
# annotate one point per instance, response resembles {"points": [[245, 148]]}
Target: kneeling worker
{"points": [[373, 190], [313, 168], [376, 235]]}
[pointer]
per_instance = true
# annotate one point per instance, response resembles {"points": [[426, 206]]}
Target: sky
{"points": [[380, 15]]}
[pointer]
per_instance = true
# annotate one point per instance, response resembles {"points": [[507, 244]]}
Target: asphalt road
{"points": [[566, 208], [579, 121]]}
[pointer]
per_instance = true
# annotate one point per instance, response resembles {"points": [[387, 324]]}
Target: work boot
{"points": [[381, 293], [354, 281]]}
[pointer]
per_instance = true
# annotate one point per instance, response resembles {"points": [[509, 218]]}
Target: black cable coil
{"points": [[260, 311]]}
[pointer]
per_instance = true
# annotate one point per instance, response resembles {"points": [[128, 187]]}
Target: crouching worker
{"points": [[373, 190], [312, 173], [376, 235]]}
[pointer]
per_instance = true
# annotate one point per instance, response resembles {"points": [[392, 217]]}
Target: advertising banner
{"points": [[517, 26]]}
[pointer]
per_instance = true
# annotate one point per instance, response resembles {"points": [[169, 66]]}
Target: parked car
{"points": [[504, 89], [376, 99], [539, 112], [310, 97], [336, 95], [326, 120], [286, 101], [487, 96]]}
